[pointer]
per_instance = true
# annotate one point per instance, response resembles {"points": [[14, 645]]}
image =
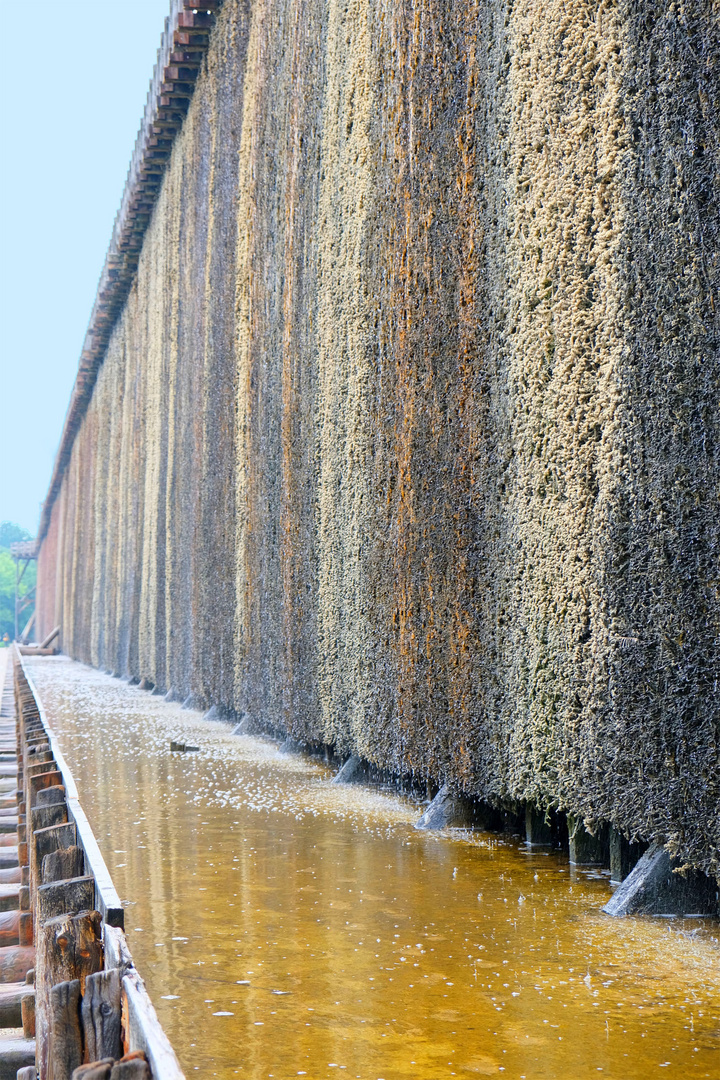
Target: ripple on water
{"points": [[290, 927]]}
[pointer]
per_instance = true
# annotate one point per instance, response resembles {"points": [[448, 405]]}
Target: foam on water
{"points": [[287, 926]]}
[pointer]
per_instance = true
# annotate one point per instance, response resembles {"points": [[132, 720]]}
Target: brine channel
{"points": [[286, 926]]}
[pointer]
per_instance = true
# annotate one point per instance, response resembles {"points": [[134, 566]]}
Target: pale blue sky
{"points": [[73, 79]]}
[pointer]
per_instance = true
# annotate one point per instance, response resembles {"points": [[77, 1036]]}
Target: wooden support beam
{"points": [[25, 635], [50, 638]]}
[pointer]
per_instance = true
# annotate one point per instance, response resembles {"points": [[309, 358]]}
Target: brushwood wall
{"points": [[407, 437]]}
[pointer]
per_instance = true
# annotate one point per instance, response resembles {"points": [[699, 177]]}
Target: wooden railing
{"points": [[182, 49], [91, 1002]]}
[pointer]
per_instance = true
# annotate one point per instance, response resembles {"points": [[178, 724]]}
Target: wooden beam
{"points": [[69, 948], [28, 627], [50, 638]]}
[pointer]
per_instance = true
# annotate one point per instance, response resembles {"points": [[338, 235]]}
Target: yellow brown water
{"points": [[288, 927]]}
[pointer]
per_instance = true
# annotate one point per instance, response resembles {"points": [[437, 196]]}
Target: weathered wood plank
{"points": [[65, 1052], [9, 858], [69, 896], [95, 1070], [27, 1012], [10, 897], [54, 794], [36, 763], [131, 1067], [117, 953], [106, 897], [101, 1011], [39, 782], [16, 1054], [11, 995], [15, 962], [50, 638], [69, 948], [45, 842], [44, 817], [26, 928], [62, 865], [10, 928], [143, 1030]]}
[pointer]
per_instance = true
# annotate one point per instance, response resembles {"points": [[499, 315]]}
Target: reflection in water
{"points": [[287, 927]]}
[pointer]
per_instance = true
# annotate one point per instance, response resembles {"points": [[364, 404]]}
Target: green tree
{"points": [[7, 594], [10, 533]]}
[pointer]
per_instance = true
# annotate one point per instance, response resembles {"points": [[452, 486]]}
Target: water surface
{"points": [[288, 927]]}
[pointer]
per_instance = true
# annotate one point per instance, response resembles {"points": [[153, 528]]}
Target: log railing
{"points": [[183, 47], [90, 1003]]}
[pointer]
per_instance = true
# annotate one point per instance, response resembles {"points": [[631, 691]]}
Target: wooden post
{"points": [[101, 1015], [44, 842], [27, 1013], [38, 763], [132, 1067], [55, 794], [65, 1038], [52, 778], [72, 895], [25, 928], [69, 948], [96, 1070], [44, 817], [62, 865]]}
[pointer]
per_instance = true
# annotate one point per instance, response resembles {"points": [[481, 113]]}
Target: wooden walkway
{"points": [[17, 954]]}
